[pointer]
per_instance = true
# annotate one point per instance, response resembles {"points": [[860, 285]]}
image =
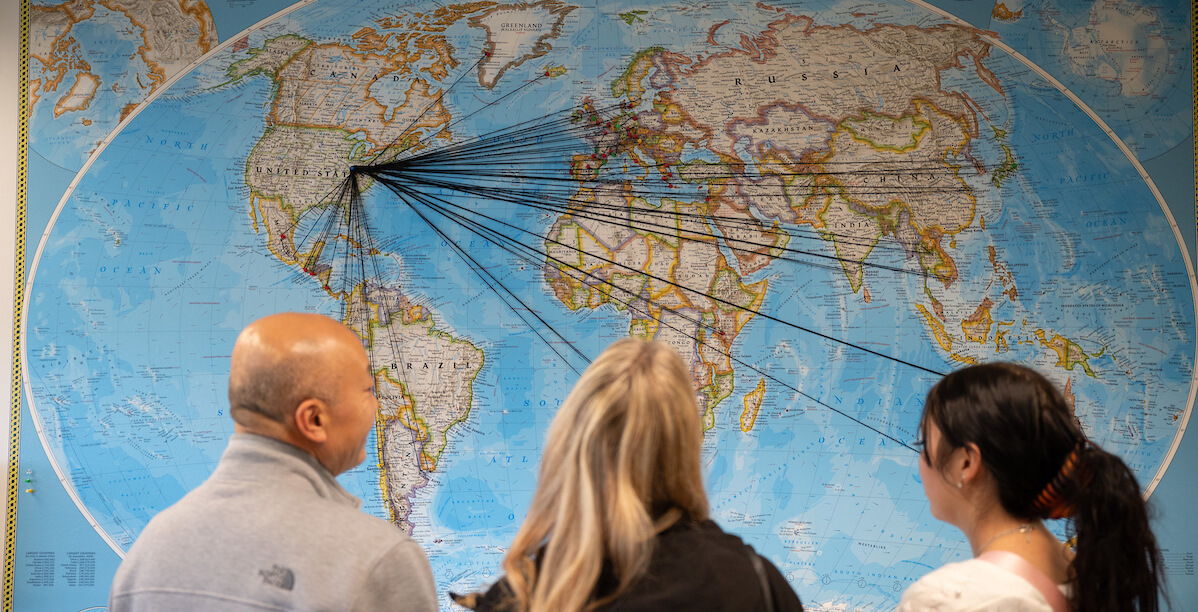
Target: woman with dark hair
{"points": [[619, 520], [1003, 451]]}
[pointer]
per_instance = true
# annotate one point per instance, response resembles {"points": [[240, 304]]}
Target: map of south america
{"points": [[305, 153]]}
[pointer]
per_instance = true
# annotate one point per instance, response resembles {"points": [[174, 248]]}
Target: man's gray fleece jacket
{"points": [[271, 529]]}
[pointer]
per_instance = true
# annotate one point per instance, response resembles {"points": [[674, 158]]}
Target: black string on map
{"points": [[511, 165], [610, 170], [633, 302]]}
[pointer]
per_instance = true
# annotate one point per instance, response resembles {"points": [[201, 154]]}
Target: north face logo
{"points": [[279, 577]]}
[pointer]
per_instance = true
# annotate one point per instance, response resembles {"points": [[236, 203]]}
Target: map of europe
{"points": [[821, 206]]}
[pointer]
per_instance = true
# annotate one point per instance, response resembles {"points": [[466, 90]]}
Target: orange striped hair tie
{"points": [[1050, 502]]}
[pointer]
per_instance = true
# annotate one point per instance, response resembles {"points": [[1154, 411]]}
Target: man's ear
{"points": [[311, 420]]}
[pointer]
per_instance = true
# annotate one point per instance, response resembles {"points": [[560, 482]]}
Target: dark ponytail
{"points": [[1044, 467], [1118, 564]]}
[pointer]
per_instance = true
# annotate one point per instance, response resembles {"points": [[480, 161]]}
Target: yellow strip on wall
{"points": [[14, 438]]}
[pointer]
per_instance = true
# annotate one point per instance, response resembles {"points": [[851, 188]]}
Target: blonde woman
{"points": [[619, 520]]}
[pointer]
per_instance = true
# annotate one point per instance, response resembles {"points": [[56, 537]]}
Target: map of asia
{"points": [[823, 206]]}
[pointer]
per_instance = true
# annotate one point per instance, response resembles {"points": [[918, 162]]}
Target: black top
{"points": [[694, 567]]}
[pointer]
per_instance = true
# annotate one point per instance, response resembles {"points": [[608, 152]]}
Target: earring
{"points": [[961, 484]]}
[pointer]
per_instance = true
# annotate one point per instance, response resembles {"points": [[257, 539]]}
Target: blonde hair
{"points": [[621, 464]]}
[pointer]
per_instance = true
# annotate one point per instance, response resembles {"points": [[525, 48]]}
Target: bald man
{"points": [[271, 529]]}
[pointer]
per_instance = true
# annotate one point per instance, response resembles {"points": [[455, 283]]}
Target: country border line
{"points": [[14, 437]]}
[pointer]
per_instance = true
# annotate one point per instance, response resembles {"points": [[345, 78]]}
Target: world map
{"points": [[822, 206]]}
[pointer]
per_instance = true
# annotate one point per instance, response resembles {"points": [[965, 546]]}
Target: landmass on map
{"points": [[832, 145], [517, 33], [633, 17], [172, 33], [424, 375]]}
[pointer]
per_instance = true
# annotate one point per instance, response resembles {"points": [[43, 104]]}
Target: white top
{"points": [[973, 585]]}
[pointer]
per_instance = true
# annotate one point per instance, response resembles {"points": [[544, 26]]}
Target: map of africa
{"points": [[822, 206]]}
